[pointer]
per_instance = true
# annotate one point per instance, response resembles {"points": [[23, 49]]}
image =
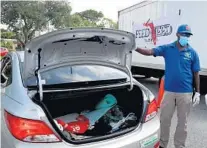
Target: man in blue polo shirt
{"points": [[182, 66]]}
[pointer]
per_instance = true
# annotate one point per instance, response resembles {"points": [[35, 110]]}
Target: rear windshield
{"points": [[78, 73]]}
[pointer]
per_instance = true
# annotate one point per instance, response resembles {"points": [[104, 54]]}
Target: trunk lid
{"points": [[69, 46]]}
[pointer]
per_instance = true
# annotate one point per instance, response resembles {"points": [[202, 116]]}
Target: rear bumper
{"points": [[130, 140]]}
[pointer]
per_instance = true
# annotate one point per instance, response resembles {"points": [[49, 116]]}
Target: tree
{"points": [[25, 17], [108, 23], [91, 18], [78, 21]]}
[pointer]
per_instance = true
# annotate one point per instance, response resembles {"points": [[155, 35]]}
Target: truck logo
{"points": [[153, 32]]}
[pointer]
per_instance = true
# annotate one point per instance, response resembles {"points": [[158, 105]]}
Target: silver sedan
{"points": [[65, 74]]}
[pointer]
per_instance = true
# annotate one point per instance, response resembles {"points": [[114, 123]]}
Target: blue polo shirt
{"points": [[179, 67]]}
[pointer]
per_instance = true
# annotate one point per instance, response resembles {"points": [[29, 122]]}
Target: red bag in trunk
{"points": [[76, 127]]}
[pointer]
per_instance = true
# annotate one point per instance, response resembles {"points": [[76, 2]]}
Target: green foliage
{"points": [[91, 15], [26, 17], [91, 18], [108, 23], [8, 44], [79, 21], [7, 34]]}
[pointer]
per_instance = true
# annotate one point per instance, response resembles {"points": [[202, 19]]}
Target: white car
{"points": [[66, 72]]}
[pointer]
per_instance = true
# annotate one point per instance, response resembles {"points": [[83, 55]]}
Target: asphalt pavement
{"points": [[197, 124]]}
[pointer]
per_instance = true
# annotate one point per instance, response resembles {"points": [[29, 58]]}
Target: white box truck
{"points": [[166, 16]]}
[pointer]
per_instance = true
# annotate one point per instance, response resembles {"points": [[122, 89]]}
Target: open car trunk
{"points": [[82, 115]]}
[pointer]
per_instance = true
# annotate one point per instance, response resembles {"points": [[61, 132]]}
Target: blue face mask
{"points": [[183, 40]]}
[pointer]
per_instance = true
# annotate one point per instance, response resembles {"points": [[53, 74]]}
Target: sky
{"points": [[109, 8]]}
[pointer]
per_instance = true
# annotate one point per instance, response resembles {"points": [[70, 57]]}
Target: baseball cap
{"points": [[184, 29]]}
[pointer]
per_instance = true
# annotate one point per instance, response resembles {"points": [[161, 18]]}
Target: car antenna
{"points": [[37, 74]]}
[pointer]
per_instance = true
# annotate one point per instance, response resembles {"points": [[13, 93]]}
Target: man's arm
{"points": [[196, 68], [147, 52], [197, 81], [158, 51]]}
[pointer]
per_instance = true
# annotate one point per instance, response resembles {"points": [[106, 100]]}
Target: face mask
{"points": [[183, 40]]}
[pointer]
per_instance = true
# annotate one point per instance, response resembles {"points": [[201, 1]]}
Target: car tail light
{"points": [[29, 130], [157, 145], [151, 110]]}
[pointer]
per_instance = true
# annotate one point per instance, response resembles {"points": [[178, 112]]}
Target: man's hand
{"points": [[147, 52], [196, 99]]}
